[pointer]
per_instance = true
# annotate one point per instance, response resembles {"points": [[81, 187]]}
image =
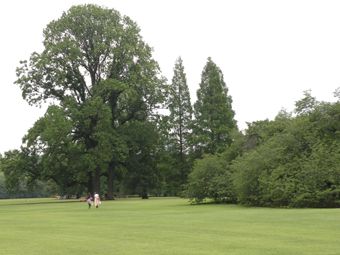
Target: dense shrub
{"points": [[210, 178], [298, 167]]}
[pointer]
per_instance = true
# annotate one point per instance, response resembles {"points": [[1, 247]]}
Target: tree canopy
{"points": [[291, 161], [104, 131], [100, 75], [214, 117]]}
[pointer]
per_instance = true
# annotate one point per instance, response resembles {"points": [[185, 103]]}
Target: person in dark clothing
{"points": [[89, 200]]}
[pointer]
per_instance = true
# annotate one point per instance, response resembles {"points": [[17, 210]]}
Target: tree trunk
{"points": [[144, 194], [90, 183], [110, 182], [96, 180]]}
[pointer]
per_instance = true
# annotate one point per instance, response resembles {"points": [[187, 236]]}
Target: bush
{"points": [[210, 178]]}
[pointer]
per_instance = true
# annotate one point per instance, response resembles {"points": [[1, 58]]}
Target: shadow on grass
{"points": [[14, 203]]}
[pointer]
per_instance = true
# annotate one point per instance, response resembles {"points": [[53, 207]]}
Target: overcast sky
{"points": [[269, 51]]}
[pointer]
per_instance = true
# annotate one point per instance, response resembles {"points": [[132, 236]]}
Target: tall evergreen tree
{"points": [[214, 116], [180, 110], [180, 119]]}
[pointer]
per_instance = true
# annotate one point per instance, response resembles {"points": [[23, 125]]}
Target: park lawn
{"points": [[163, 226]]}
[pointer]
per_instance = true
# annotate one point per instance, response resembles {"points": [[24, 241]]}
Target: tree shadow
{"points": [[39, 203]]}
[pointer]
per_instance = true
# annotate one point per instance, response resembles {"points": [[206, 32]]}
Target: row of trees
{"points": [[293, 160], [106, 129]]}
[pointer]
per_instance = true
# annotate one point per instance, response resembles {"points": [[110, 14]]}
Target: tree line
{"points": [[114, 125], [291, 161]]}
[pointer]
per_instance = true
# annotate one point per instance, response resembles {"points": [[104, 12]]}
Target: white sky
{"points": [[269, 51]]}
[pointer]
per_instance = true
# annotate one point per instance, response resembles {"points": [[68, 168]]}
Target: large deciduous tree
{"points": [[214, 116], [94, 64]]}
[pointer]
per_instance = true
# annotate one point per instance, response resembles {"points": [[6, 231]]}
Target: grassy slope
{"points": [[164, 226]]}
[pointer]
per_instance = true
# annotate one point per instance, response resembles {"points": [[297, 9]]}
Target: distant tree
{"points": [[307, 104], [214, 116], [13, 164], [258, 132], [3, 190], [19, 176], [337, 93]]}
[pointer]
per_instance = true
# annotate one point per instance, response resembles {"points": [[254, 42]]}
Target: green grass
{"points": [[163, 226]]}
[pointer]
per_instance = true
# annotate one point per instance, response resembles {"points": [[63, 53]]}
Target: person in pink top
{"points": [[96, 200]]}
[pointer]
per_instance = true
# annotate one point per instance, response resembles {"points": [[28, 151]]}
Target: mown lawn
{"points": [[163, 226]]}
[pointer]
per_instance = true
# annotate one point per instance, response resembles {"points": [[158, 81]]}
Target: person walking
{"points": [[89, 201], [97, 201]]}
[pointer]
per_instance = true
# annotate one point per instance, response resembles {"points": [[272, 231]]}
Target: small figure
{"points": [[89, 200], [96, 200]]}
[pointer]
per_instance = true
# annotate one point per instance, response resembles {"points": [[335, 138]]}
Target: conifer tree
{"points": [[180, 121], [214, 116], [180, 109]]}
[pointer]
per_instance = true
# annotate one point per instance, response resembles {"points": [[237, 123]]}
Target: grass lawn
{"points": [[163, 226]]}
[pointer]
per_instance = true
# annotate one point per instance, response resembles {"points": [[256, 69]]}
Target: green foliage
{"points": [[298, 166], [100, 73], [19, 177], [213, 112], [89, 44], [50, 141], [180, 117], [176, 130], [103, 128], [142, 175], [210, 178], [290, 161], [3, 190], [13, 165], [337, 94], [258, 132], [307, 104]]}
